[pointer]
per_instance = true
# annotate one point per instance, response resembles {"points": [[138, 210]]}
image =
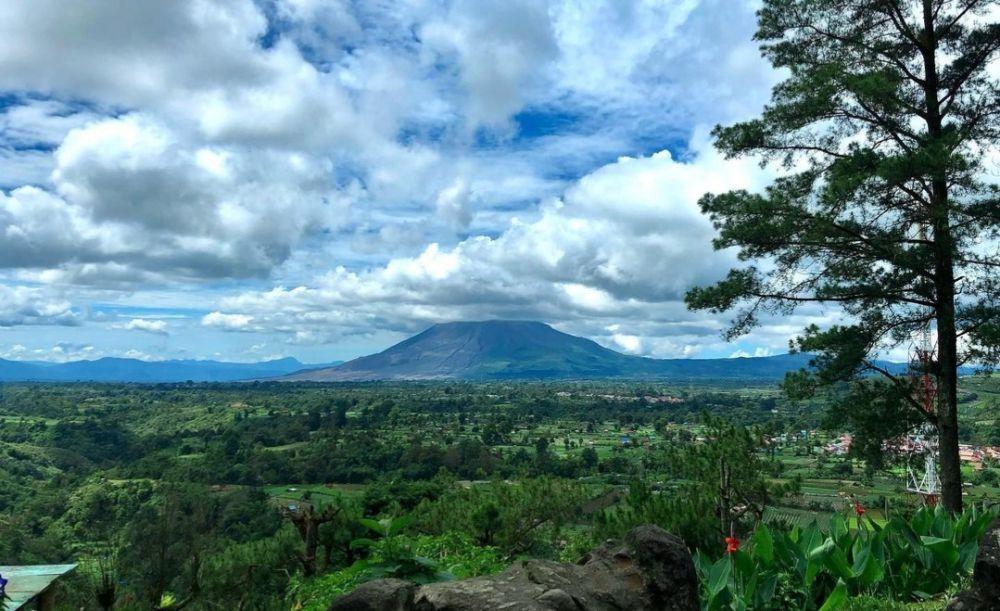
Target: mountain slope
{"points": [[500, 349], [134, 370]]}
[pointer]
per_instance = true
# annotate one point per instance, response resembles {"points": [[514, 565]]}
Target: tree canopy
{"points": [[886, 129]]}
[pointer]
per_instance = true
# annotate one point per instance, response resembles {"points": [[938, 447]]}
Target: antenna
{"points": [[928, 486]]}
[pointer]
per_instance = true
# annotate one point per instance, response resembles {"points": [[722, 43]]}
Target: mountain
{"points": [[133, 370], [503, 349]]}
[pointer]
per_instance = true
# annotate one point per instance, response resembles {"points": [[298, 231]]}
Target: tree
{"points": [[163, 545], [307, 521], [340, 416], [338, 535], [881, 126], [718, 488]]}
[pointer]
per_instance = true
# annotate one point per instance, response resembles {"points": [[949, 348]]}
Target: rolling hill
{"points": [[134, 370], [501, 349]]}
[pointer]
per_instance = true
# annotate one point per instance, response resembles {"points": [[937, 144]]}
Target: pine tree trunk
{"points": [[947, 411], [947, 378], [944, 282]]}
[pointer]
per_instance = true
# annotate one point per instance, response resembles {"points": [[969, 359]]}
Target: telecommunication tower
{"points": [[927, 484]]}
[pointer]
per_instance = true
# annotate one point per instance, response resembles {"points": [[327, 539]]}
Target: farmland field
{"points": [[88, 471]]}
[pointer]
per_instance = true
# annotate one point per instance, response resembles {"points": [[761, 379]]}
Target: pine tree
{"points": [[883, 125]]}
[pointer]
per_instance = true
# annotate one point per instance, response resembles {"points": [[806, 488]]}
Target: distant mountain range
{"points": [[487, 350], [134, 370], [501, 349]]}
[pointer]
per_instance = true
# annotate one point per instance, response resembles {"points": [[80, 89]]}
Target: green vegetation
{"points": [[810, 568], [264, 496]]}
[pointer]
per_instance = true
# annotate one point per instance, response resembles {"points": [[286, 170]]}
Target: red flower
{"points": [[732, 545], [858, 509]]}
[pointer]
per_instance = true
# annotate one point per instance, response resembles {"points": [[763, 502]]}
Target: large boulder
{"points": [[651, 570], [984, 595]]}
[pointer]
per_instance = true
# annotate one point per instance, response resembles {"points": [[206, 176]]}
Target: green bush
{"points": [[451, 555], [806, 568]]}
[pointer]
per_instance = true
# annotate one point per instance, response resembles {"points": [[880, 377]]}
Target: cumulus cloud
{"points": [[130, 198], [758, 352], [158, 327], [333, 168], [500, 46], [228, 322], [23, 305], [453, 204], [623, 242]]}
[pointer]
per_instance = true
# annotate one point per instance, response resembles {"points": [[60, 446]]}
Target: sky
{"points": [[244, 180]]}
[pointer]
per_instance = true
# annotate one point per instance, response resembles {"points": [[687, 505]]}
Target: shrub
{"points": [[449, 556], [806, 568]]}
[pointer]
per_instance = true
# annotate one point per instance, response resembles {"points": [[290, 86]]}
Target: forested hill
{"points": [[500, 349], [134, 370]]}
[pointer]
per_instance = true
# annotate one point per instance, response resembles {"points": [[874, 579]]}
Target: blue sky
{"points": [[245, 180]]}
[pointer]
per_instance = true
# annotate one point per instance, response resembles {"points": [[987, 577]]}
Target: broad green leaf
{"points": [[373, 525], [362, 542], [718, 578], [702, 564], [763, 544], [743, 564], [836, 561], [765, 591], [837, 599], [944, 551], [820, 551], [838, 528], [967, 556]]}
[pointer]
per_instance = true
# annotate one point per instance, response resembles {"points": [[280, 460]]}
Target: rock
{"points": [[651, 570], [378, 595], [984, 595]]}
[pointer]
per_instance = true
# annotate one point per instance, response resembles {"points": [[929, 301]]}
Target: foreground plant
{"points": [[806, 568]]}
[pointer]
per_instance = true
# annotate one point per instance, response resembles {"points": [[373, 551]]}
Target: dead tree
{"points": [[307, 521]]}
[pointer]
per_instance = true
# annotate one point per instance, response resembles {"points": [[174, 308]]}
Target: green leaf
{"points": [[871, 570], [763, 545], [743, 564], [362, 542], [836, 561], [837, 599], [372, 525], [765, 591], [967, 556], [718, 578], [702, 564], [944, 551], [838, 528], [810, 538], [820, 551]]}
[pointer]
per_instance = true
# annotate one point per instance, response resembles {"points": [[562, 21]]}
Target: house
{"points": [[840, 446], [971, 454], [31, 586]]}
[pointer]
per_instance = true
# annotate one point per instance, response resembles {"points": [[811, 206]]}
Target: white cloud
{"points": [[229, 322], [501, 46], [631, 344], [624, 242], [758, 352], [132, 200], [453, 204], [393, 163], [158, 327], [23, 305]]}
